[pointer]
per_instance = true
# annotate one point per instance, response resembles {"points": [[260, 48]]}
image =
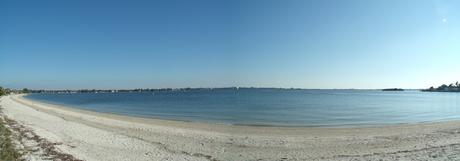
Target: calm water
{"points": [[272, 106]]}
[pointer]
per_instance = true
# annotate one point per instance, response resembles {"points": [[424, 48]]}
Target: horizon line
{"points": [[225, 87]]}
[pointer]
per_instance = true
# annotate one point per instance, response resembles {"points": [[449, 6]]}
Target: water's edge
{"points": [[68, 107]]}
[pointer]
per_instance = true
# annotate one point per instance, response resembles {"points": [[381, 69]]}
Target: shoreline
{"points": [[91, 135], [218, 126], [141, 118]]}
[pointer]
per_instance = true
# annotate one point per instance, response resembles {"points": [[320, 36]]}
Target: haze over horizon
{"points": [[206, 43]]}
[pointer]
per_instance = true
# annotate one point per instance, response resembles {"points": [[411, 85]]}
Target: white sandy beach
{"points": [[95, 136]]}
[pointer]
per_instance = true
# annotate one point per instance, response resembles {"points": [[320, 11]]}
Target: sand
{"points": [[97, 136]]}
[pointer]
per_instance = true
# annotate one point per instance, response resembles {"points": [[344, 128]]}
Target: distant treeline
{"points": [[393, 89], [6, 91], [445, 88], [146, 90]]}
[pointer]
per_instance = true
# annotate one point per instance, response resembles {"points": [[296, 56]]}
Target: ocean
{"points": [[271, 107]]}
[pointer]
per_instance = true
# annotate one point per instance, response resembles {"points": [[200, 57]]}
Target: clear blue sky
{"points": [[216, 43]]}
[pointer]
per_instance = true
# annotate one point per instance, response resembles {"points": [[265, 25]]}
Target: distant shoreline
{"points": [[444, 88], [179, 89]]}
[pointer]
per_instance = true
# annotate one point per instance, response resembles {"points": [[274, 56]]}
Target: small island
{"points": [[393, 89], [444, 88]]}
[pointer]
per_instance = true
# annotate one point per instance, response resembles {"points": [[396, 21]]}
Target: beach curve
{"points": [[98, 136]]}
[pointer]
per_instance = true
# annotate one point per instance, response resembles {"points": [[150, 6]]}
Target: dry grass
{"points": [[7, 148]]}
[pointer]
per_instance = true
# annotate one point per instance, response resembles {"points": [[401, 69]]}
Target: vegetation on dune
{"points": [[2, 91], [7, 148], [6, 91]]}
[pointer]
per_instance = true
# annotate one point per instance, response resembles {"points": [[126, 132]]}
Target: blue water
{"points": [[272, 106]]}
